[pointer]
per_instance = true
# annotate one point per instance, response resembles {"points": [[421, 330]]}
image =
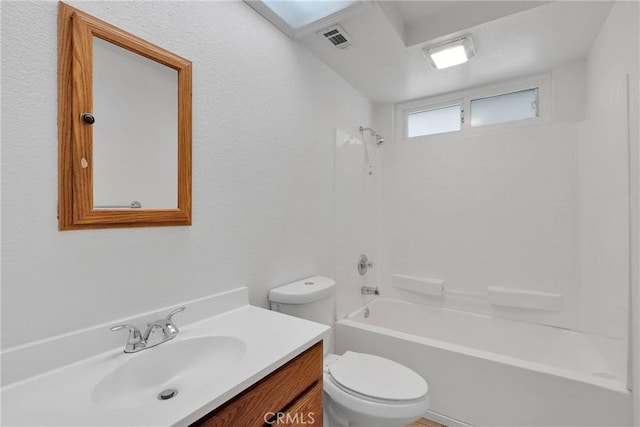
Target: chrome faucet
{"points": [[138, 342], [368, 290]]}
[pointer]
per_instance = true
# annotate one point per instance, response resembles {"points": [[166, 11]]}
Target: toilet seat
{"points": [[376, 379], [361, 410]]}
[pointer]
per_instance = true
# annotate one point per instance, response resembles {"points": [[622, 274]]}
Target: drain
{"points": [[167, 394]]}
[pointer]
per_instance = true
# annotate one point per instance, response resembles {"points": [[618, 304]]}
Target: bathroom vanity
{"points": [[290, 396], [230, 364]]}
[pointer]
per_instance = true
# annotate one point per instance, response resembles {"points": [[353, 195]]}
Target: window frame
{"points": [[463, 98]]}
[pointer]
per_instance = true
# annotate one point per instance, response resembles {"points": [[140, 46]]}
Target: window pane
{"points": [[504, 108], [440, 120]]}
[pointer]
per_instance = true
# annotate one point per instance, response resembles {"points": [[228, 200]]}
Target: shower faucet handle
{"points": [[364, 265]]}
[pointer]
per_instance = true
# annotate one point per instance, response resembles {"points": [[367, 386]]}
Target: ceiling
{"points": [[512, 39]]}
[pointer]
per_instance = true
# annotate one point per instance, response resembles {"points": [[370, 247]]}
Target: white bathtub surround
{"points": [[634, 133], [492, 206], [419, 285], [355, 214], [488, 371], [508, 297], [610, 137], [78, 394], [604, 172], [518, 207]]}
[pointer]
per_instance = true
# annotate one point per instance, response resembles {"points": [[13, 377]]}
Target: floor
{"points": [[423, 422]]}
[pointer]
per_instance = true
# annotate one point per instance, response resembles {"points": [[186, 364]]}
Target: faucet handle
{"points": [[169, 326], [132, 329], [134, 342], [176, 311]]}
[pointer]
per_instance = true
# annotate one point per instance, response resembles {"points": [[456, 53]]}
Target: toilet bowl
{"points": [[362, 390], [359, 390]]}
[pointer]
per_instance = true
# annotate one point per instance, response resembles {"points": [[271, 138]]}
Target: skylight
{"points": [[303, 12], [297, 18]]}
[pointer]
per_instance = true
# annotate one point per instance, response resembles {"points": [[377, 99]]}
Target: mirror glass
{"points": [[135, 134]]}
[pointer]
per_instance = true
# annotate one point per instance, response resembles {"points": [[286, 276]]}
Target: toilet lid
{"points": [[377, 377]]}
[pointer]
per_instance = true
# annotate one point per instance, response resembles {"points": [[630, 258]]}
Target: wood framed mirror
{"points": [[124, 128]]}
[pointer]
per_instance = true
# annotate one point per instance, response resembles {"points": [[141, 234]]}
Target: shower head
{"points": [[372, 132]]}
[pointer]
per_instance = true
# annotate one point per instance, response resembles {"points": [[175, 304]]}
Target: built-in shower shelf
{"points": [[421, 285], [519, 298]]}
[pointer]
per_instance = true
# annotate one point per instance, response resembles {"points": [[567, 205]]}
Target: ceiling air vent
{"points": [[337, 36]]}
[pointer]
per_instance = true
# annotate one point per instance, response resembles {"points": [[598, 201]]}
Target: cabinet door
{"points": [[260, 404], [306, 411]]}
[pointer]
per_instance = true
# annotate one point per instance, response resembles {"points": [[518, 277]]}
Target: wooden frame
{"points": [[76, 30]]}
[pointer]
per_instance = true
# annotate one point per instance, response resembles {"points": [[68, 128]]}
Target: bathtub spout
{"points": [[368, 290]]}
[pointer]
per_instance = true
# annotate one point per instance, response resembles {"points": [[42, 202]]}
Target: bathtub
{"points": [[487, 371]]}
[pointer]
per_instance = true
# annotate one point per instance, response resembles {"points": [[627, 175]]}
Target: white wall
{"points": [[264, 118], [614, 58]]}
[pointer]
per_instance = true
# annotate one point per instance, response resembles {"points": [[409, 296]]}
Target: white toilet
{"points": [[360, 390]]}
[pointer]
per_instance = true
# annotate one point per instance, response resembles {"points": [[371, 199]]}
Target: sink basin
{"points": [[182, 364]]}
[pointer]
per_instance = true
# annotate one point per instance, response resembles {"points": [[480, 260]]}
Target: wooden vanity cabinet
{"points": [[290, 396]]}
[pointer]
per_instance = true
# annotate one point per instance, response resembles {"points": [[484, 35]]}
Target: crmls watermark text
{"points": [[290, 418]]}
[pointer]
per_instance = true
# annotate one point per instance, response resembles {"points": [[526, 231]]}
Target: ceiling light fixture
{"points": [[450, 53]]}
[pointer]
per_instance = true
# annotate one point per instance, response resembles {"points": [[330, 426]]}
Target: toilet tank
{"points": [[313, 299]]}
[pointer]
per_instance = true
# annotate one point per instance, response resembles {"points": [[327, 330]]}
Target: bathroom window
{"points": [[508, 107], [519, 102], [438, 120]]}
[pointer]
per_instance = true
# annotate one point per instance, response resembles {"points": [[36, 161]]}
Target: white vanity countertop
{"points": [[66, 397]]}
